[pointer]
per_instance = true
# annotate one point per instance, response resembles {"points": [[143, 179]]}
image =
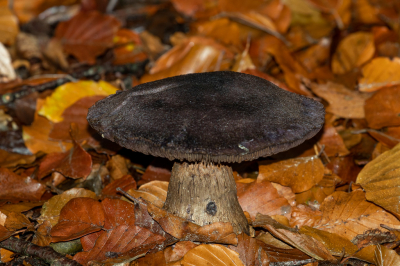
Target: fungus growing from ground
{"points": [[205, 120]]}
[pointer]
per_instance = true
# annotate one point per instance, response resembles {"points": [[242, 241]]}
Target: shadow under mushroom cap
{"points": [[212, 117]]}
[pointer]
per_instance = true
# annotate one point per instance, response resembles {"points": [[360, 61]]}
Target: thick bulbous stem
{"points": [[204, 194]]}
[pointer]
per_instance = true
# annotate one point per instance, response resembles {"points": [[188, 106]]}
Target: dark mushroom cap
{"points": [[212, 117]]}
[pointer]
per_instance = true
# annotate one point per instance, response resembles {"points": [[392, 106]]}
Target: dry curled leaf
{"points": [[250, 251], [154, 192]]}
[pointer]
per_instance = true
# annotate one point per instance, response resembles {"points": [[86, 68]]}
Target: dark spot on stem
{"points": [[211, 208]]}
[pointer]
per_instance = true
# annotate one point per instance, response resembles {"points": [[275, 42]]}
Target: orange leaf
{"points": [[380, 72], [250, 251]]}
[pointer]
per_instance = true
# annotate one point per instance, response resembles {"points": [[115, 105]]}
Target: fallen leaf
{"points": [[52, 208], [382, 109], [388, 136], [386, 257], [381, 178], [196, 8], [183, 230], [334, 144], [9, 24], [75, 163], [21, 207], [300, 174], [79, 217], [379, 73], [152, 259], [179, 250], [62, 97], [250, 251], [4, 233], [320, 191], [14, 221], [159, 169], [305, 243], [268, 239], [342, 101], [316, 55], [304, 215], [129, 47], [117, 166], [344, 167], [42, 235], [11, 159], [352, 52], [262, 198], [87, 35], [349, 214], [154, 192], [205, 255], [14, 187], [126, 183]]}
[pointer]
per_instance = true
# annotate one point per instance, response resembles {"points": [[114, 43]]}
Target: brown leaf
{"points": [[342, 101], [187, 231], [122, 236], [21, 207], [52, 208], [261, 198], [75, 163], [382, 109], [300, 174], [4, 233], [125, 183], [15, 187], [159, 169], [154, 192], [386, 257], [87, 35], [14, 221], [76, 113], [42, 235], [79, 217], [283, 255], [388, 136], [334, 144], [250, 251], [304, 215], [349, 214], [10, 159], [307, 244], [179, 250], [344, 167], [379, 73], [381, 178], [353, 51], [205, 255], [118, 167], [320, 191], [129, 47], [270, 240], [151, 259]]}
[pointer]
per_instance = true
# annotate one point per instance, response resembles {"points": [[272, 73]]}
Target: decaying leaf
{"points": [[300, 174], [179, 250], [386, 257], [381, 178], [352, 52], [6, 69], [250, 251]]}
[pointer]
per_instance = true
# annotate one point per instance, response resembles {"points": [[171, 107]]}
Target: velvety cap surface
{"points": [[214, 117]]}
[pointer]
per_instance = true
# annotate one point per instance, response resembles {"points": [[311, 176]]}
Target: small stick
{"points": [[127, 195]]}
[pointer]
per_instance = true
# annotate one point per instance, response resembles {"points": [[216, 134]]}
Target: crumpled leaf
{"points": [[52, 208], [352, 52], [183, 230], [380, 179], [62, 97], [386, 257], [300, 174], [87, 35], [14, 187], [250, 251], [342, 101], [379, 73], [382, 109], [305, 243], [79, 217], [154, 192], [261, 197], [179, 250], [204, 255]]}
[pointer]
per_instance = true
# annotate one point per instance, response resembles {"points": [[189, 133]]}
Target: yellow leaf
{"points": [[379, 73], [353, 51], [8, 24], [67, 94], [381, 180], [154, 192]]}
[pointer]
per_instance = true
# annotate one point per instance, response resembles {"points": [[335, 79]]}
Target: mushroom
{"points": [[205, 120]]}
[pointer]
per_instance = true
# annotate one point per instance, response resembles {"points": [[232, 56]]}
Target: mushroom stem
{"points": [[204, 194]]}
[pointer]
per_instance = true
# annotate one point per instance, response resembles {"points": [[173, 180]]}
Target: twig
{"points": [[45, 253], [92, 73], [127, 195]]}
